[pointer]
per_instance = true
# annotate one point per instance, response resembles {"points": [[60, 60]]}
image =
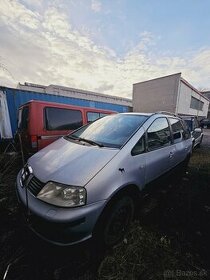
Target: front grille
{"points": [[35, 186]]}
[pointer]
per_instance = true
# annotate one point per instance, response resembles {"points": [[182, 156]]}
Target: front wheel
{"points": [[115, 221]]}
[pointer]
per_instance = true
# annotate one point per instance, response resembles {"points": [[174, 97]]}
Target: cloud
{"points": [[104, 87], [96, 6], [16, 14], [41, 46]]}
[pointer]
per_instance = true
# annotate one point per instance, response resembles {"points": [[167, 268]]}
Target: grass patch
{"points": [[146, 255]]}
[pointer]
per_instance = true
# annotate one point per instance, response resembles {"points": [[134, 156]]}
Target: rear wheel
{"points": [[115, 221]]}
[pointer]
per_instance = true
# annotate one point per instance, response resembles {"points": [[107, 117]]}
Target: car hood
{"points": [[70, 163]]}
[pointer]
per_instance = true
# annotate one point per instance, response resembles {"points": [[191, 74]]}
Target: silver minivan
{"points": [[87, 184]]}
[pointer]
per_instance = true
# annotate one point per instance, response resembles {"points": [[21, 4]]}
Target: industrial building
{"points": [[169, 93]]}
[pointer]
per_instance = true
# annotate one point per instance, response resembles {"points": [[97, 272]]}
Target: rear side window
{"points": [[23, 116], [158, 134], [177, 129], [62, 119]]}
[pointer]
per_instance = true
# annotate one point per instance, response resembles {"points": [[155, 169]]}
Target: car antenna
{"points": [[26, 188]]}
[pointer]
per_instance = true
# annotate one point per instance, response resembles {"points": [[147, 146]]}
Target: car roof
{"points": [[137, 114], [165, 114], [188, 117]]}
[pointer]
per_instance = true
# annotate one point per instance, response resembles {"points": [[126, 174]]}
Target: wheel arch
{"points": [[130, 189]]}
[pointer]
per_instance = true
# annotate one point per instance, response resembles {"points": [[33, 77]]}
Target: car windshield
{"points": [[110, 131]]}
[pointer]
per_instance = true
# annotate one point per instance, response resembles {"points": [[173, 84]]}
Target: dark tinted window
{"points": [[139, 148], [23, 118], [177, 129], [62, 119], [92, 116], [158, 134]]}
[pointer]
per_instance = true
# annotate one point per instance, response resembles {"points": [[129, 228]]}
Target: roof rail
{"points": [[166, 113]]}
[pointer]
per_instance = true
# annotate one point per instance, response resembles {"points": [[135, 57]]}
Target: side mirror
{"points": [[197, 129], [177, 135]]}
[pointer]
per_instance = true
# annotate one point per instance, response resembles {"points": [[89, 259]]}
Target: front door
{"points": [[160, 152]]}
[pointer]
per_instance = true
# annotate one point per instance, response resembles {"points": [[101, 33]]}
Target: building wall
{"points": [[184, 101], [156, 95]]}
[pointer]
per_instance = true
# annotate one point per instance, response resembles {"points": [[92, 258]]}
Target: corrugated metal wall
{"points": [[15, 98]]}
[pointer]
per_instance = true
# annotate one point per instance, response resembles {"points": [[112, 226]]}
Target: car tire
{"points": [[114, 221]]}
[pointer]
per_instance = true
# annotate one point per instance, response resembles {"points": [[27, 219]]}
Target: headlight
{"points": [[62, 195]]}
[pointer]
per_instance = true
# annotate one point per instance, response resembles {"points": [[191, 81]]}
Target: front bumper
{"points": [[61, 226]]}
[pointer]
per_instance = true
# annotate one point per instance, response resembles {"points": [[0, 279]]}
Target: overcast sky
{"points": [[104, 45]]}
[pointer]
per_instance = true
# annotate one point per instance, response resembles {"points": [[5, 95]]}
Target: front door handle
{"points": [[171, 154]]}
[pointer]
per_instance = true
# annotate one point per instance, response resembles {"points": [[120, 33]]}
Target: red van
{"points": [[40, 123]]}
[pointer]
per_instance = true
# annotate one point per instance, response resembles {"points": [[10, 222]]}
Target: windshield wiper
{"points": [[85, 140], [73, 137], [89, 141]]}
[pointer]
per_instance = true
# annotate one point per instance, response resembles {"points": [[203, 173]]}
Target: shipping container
{"points": [[11, 99]]}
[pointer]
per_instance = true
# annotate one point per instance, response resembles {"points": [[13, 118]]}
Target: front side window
{"points": [[158, 134], [110, 131], [62, 119]]}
